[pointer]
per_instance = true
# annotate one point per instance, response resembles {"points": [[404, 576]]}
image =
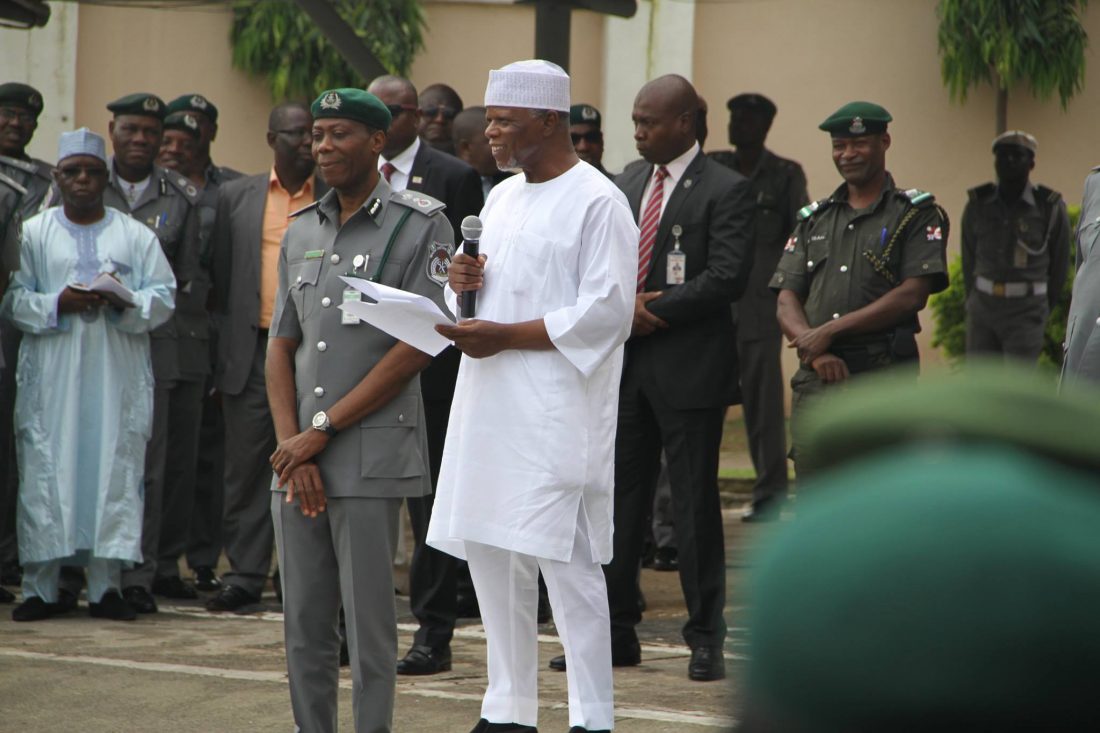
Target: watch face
{"points": [[319, 420]]}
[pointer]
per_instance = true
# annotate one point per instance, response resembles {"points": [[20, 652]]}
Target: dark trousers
{"points": [[204, 539], [762, 406], [178, 501], [432, 586], [10, 338], [691, 440]]}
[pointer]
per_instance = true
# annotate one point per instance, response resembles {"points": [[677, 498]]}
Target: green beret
{"points": [[352, 104], [15, 94], [1018, 138], [754, 103], [584, 114], [184, 122], [934, 587], [857, 118], [139, 103], [194, 103]]}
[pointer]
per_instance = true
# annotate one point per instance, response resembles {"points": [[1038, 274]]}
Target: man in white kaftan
{"points": [[83, 408], [527, 475]]}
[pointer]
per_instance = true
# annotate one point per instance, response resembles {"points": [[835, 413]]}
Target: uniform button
{"points": [[810, 263], [1098, 321], [400, 418], [780, 278], [851, 226], [924, 266], [319, 391], [326, 302], [299, 279], [335, 259], [836, 315], [844, 268], [322, 346]]}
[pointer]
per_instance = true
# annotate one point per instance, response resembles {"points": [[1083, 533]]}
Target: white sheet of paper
{"points": [[406, 316], [109, 287]]}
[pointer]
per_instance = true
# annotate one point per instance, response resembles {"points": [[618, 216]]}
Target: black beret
{"points": [[584, 114], [21, 95], [752, 102]]}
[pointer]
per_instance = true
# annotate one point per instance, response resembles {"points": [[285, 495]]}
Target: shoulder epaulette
{"points": [[22, 165], [14, 185], [810, 209], [417, 201], [1042, 193], [183, 185], [304, 209], [918, 197], [981, 191]]}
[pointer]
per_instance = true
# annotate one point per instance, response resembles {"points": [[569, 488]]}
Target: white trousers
{"points": [[507, 590], [41, 578]]}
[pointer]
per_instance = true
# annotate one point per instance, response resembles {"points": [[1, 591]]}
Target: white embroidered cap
{"points": [[81, 142], [534, 84]]}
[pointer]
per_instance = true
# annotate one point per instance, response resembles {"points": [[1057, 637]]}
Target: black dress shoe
{"points": [[206, 579], [141, 599], [626, 657], [32, 609], [666, 560], [706, 664], [484, 726], [6, 596], [422, 659], [113, 607], [232, 598], [174, 587], [762, 510]]}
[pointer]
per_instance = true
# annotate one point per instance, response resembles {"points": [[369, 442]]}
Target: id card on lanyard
{"points": [[676, 265], [359, 264]]}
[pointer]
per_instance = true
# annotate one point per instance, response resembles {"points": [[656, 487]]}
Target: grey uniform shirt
{"points": [[386, 455]]}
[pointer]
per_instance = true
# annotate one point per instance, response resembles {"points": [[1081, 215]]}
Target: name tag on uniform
{"points": [[676, 266], [346, 318], [313, 254]]}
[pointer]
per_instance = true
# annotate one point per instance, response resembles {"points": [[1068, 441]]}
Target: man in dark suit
{"points": [[408, 163], [251, 219], [680, 370]]}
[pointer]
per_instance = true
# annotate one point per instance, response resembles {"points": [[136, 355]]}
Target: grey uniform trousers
{"points": [[341, 557], [762, 406], [204, 538], [184, 418], [1010, 326], [250, 441], [156, 453]]}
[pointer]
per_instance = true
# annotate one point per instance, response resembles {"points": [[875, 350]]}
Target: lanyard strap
{"points": [[377, 276]]}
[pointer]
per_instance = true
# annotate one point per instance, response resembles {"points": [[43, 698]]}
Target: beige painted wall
{"points": [[172, 52]]}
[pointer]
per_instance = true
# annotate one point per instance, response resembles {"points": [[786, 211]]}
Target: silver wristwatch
{"points": [[322, 423]]}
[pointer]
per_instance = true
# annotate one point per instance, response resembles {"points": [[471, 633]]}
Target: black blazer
{"points": [[694, 361]]}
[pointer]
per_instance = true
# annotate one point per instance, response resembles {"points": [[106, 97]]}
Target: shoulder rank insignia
{"points": [[916, 196], [808, 210], [374, 208], [421, 202], [303, 210], [439, 259]]}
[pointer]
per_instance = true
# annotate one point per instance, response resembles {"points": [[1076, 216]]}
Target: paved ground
{"points": [[187, 670]]}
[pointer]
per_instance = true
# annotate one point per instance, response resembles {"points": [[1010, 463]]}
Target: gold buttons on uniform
{"points": [[322, 346]]}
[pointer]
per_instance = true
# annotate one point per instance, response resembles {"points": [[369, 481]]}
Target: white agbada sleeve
{"points": [[29, 309]]}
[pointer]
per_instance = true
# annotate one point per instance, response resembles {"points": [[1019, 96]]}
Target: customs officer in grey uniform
{"points": [[1015, 254], [779, 192], [1082, 361], [165, 201], [858, 268], [349, 419]]}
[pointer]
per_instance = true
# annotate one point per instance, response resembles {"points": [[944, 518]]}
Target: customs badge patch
{"points": [[439, 259], [934, 234], [790, 245]]}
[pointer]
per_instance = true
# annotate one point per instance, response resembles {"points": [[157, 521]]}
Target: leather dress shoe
{"points": [[484, 726], [422, 660], [32, 609], [232, 598], [206, 579], [762, 510], [629, 657], [113, 607], [706, 664], [141, 599], [666, 559], [174, 587]]}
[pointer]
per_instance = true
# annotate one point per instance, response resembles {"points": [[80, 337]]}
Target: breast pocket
{"points": [[816, 255], [390, 442], [529, 263], [302, 277]]}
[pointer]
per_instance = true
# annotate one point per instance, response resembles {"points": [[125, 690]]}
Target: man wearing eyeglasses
{"points": [[253, 214], [407, 163], [585, 129], [439, 105]]}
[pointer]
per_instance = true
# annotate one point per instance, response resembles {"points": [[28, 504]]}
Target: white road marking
{"points": [[657, 714]]}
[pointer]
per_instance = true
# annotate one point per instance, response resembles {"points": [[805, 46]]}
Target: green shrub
{"points": [[949, 314]]}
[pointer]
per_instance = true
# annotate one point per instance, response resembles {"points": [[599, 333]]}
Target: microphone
{"points": [[471, 240]]}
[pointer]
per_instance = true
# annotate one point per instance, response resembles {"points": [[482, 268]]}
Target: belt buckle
{"points": [[999, 290]]}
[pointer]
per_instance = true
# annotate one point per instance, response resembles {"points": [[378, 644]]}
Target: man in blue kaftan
{"points": [[84, 384]]}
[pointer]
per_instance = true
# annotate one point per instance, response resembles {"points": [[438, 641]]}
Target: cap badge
{"points": [[198, 102], [150, 105], [34, 100], [857, 127], [331, 101], [190, 122], [588, 113]]}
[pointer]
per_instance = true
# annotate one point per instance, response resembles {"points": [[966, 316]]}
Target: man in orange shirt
{"points": [[253, 214]]}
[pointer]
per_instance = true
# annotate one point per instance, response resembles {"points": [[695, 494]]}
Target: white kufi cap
{"points": [[81, 142], [534, 84]]}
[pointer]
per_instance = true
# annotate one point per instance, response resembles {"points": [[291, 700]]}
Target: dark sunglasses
{"points": [[397, 109], [447, 112], [593, 137], [74, 171]]}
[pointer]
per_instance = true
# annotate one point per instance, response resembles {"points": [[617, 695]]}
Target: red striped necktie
{"points": [[650, 219], [387, 170]]}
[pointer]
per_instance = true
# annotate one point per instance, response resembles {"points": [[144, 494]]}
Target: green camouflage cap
{"points": [[855, 119], [352, 104], [184, 122], [14, 94], [139, 103], [194, 103], [937, 587], [585, 114]]}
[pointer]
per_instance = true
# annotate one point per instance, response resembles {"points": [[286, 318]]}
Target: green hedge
{"points": [[949, 314]]}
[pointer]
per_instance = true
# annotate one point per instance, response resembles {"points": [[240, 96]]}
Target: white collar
{"points": [[403, 161], [679, 165]]}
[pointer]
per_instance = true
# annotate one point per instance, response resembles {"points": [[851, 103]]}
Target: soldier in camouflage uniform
{"points": [[858, 268]]}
